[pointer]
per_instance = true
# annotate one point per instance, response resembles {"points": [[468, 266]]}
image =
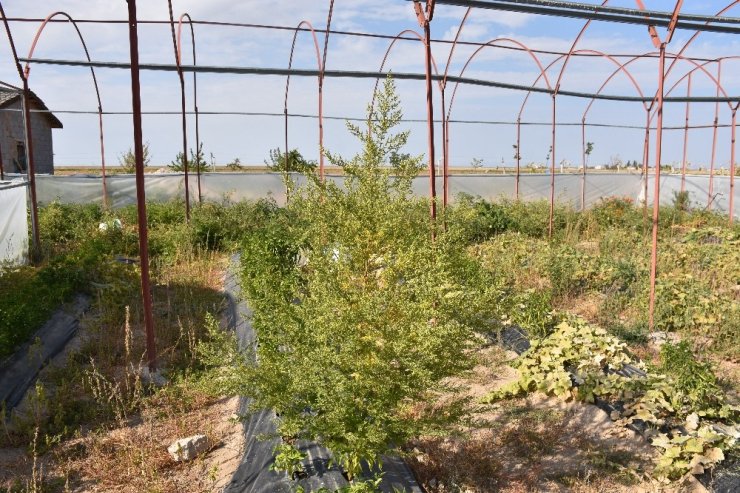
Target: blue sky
{"points": [[249, 138]]}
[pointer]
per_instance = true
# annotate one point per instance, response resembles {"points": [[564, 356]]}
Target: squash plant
{"points": [[580, 361], [359, 314]]}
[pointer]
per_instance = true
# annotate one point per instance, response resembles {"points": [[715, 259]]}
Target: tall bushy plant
{"points": [[360, 314]]}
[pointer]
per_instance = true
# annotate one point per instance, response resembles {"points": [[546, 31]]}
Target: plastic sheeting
{"points": [[252, 186], [13, 223]]}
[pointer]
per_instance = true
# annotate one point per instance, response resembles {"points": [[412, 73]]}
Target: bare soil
{"points": [[537, 443]]}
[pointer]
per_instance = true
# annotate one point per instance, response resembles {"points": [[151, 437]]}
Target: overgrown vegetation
{"points": [[369, 316], [360, 315], [101, 385]]}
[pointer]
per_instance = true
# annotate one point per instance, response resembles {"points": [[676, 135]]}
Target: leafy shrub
{"points": [[64, 225], [681, 201], [360, 315], [482, 219], [693, 379], [532, 311], [617, 212]]}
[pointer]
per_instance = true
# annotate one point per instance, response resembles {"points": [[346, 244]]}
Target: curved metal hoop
{"points": [[27, 73], [287, 90], [195, 91]]}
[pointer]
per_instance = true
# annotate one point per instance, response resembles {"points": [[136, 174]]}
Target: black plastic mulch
{"points": [[723, 478], [19, 370], [253, 474]]}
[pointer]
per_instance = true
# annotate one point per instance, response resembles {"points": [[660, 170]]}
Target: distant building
{"points": [[12, 135]]}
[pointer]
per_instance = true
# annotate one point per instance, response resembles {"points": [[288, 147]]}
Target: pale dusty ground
{"points": [[133, 457], [537, 443]]}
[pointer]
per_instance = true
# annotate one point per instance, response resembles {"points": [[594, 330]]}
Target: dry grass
{"points": [[94, 425], [531, 444]]}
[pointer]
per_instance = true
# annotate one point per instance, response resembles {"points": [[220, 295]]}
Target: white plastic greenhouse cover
{"points": [[13, 223], [251, 186]]}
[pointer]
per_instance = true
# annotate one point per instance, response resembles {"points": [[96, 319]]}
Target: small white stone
{"points": [[189, 448]]}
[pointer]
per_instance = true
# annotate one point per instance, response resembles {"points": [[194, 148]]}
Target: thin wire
{"points": [[364, 119], [349, 33]]}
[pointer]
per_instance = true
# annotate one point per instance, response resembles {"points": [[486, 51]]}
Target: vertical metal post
{"points": [[146, 294], [583, 163], [445, 168], [2, 169], [430, 122], [646, 165], [36, 246], [321, 91], [656, 191], [518, 155], [195, 106], [552, 171], [685, 136], [102, 157], [30, 167], [710, 193], [424, 19], [733, 169]]}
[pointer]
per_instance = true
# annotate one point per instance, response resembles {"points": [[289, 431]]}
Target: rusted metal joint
{"points": [[424, 14]]}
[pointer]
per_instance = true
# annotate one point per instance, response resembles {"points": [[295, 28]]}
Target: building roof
{"points": [[9, 96]]}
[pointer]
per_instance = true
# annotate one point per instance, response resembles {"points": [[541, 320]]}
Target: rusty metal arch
{"points": [[184, 119], [445, 127], [195, 90], [688, 75], [287, 90], [646, 144], [321, 90], [554, 98], [620, 68], [696, 34], [385, 59], [27, 72], [491, 43]]}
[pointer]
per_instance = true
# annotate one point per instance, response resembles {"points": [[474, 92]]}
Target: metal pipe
{"points": [[195, 91], [27, 74], [552, 173], [321, 92], [146, 294], [656, 189], [733, 164], [595, 12], [355, 74], [646, 166], [184, 119], [583, 164], [2, 168], [36, 242], [425, 17], [685, 137], [445, 166], [518, 156], [710, 194], [658, 143], [430, 116]]}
